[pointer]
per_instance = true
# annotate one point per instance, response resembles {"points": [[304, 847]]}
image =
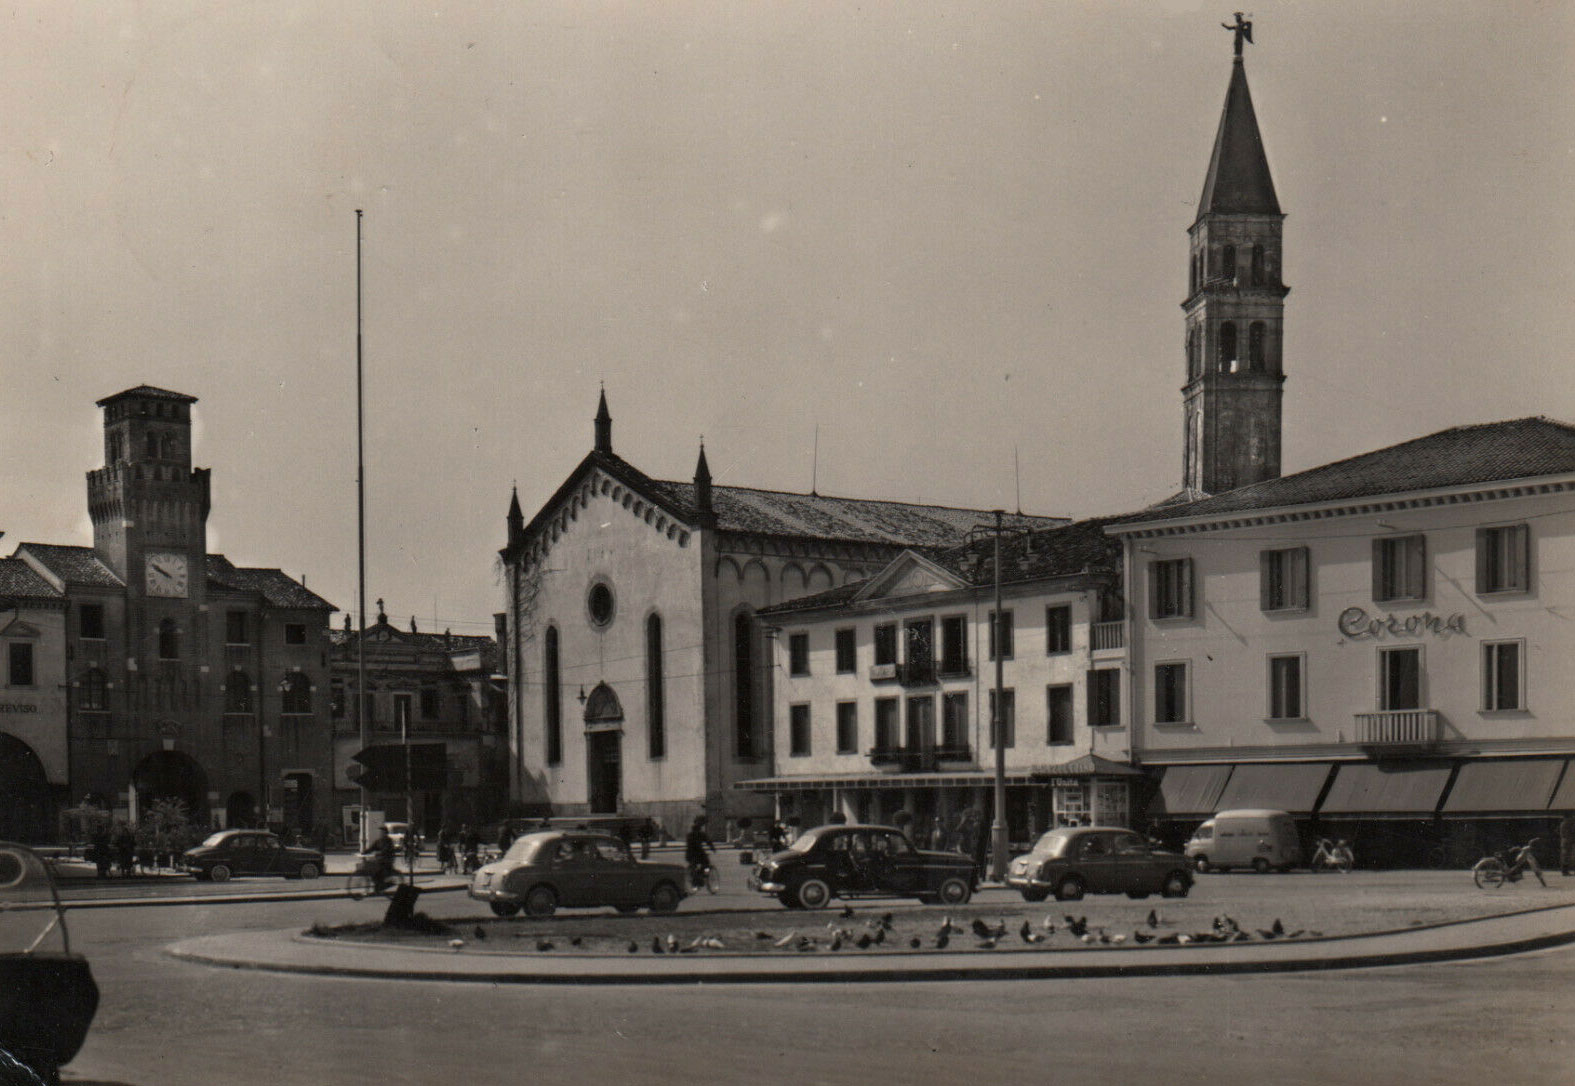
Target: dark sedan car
{"points": [[1073, 861], [862, 861], [251, 852], [542, 871]]}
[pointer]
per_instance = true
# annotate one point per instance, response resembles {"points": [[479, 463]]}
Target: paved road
{"points": [[167, 1022]]}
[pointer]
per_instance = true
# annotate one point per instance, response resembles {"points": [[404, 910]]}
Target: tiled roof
{"points": [[863, 520], [450, 643], [1492, 452], [19, 582], [277, 588], [1083, 547], [74, 565], [148, 391]]}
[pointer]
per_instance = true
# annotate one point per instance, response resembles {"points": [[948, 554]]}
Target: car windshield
{"points": [[524, 849], [1052, 844], [214, 839], [805, 842]]}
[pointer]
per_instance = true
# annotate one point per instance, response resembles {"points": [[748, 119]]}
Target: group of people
{"points": [[112, 851]]}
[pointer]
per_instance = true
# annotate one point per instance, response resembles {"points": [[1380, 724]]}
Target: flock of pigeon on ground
{"points": [[875, 932]]}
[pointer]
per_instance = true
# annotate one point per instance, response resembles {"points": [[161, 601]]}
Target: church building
{"points": [[640, 678]]}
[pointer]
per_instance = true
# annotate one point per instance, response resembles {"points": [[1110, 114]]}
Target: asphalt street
{"points": [[164, 1021]]}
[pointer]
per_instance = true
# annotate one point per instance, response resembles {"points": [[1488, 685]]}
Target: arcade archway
{"points": [[27, 806], [171, 774]]}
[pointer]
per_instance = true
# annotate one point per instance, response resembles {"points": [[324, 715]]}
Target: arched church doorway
{"points": [[171, 774], [27, 807], [604, 750]]}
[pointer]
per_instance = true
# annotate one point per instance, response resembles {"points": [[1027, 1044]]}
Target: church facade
{"points": [[155, 669], [640, 676]]}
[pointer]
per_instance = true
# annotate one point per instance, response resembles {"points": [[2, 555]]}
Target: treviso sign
{"points": [[1357, 624], [17, 707]]}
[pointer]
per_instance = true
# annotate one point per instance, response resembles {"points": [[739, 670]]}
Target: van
{"points": [[1259, 839]]}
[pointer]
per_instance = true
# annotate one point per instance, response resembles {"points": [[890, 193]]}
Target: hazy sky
{"points": [[937, 231]]}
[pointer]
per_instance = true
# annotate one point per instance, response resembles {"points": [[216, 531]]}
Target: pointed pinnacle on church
{"points": [[703, 489], [516, 519], [1238, 180], [603, 425]]}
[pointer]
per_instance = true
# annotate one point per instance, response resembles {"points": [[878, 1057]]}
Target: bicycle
{"points": [[360, 883], [704, 877], [1337, 855], [1494, 871]]}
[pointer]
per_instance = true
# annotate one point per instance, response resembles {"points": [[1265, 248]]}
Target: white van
{"points": [[1259, 839]]}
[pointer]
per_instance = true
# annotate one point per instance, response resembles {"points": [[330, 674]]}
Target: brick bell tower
{"points": [[1235, 307], [148, 504]]}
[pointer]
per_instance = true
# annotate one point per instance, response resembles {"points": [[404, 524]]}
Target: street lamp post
{"points": [[997, 716]]}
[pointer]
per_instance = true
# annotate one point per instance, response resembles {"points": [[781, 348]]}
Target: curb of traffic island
{"points": [[71, 904], [1456, 940]]}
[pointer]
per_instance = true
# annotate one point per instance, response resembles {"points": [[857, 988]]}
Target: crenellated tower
{"points": [[1235, 307]]}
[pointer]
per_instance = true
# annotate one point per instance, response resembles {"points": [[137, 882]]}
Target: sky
{"points": [[918, 251]]}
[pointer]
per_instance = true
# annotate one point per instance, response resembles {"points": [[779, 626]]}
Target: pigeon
{"points": [[1104, 937], [806, 943], [715, 943], [863, 942], [762, 935], [786, 939], [1088, 937], [575, 940], [915, 943], [1153, 919], [847, 912], [634, 947], [947, 925], [543, 944], [885, 921], [1028, 935], [656, 945], [987, 944], [1077, 925], [480, 932], [456, 943], [1142, 937], [1268, 933], [836, 941], [1049, 926], [985, 931], [1277, 927], [1298, 933], [1117, 939], [1169, 940], [1241, 937], [880, 936], [942, 939], [672, 944]]}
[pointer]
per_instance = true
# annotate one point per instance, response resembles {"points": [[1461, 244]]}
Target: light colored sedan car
{"points": [[575, 869], [1073, 861]]}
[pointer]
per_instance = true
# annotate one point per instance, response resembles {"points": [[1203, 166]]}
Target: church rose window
{"points": [[600, 604]]}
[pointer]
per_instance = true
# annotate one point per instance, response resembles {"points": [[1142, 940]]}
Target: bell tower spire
{"points": [[1235, 305]]}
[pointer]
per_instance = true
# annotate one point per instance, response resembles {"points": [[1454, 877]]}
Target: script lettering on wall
{"points": [[1358, 625]]}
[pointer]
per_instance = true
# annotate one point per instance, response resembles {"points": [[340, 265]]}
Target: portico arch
{"points": [[27, 805], [172, 774]]}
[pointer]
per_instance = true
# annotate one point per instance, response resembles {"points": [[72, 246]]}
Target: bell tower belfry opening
{"points": [[1235, 306]]}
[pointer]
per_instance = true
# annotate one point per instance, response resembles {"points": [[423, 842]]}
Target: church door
{"points": [[603, 750]]}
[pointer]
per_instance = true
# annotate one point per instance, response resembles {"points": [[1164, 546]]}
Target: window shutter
{"points": [[1520, 556], [1417, 567], [1153, 590], [1484, 538], [1379, 592], [1301, 578], [1265, 580], [1186, 588]]}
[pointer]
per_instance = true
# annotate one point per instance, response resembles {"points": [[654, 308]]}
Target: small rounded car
{"points": [[549, 869], [852, 860], [250, 852], [1076, 860]]}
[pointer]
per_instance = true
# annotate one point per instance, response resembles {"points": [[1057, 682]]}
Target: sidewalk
{"points": [[291, 952]]}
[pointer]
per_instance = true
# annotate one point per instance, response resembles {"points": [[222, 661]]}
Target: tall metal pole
{"points": [[998, 826], [360, 526]]}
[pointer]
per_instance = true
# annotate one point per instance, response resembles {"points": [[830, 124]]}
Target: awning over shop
{"points": [[963, 778], [1515, 785], [1385, 791], [1292, 787], [1564, 798], [1189, 790]]}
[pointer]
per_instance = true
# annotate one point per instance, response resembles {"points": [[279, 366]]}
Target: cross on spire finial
{"points": [[1242, 29]]}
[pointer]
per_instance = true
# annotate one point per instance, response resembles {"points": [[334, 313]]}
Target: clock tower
{"points": [[149, 505], [1234, 308]]}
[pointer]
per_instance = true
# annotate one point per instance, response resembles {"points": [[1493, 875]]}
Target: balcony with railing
{"points": [[1398, 728], [919, 759], [1108, 635]]}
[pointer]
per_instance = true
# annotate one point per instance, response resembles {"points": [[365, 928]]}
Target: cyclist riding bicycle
{"points": [[380, 861], [696, 843]]}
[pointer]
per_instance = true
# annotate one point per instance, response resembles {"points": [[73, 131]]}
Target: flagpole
{"points": [[360, 505]]}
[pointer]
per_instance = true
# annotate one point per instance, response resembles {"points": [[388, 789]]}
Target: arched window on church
{"points": [[1255, 351], [1192, 351], [1259, 278], [1228, 263], [94, 685], [655, 697], [295, 694], [1227, 358], [238, 692], [169, 640], [1192, 275], [552, 697], [743, 686]]}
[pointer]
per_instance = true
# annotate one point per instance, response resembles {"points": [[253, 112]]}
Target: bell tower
{"points": [[1235, 305], [148, 504]]}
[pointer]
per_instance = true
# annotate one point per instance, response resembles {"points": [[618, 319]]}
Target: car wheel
{"points": [[1035, 893], [1200, 864], [812, 894], [541, 901], [954, 891], [1070, 888], [219, 873], [1261, 866], [505, 908], [1175, 885], [665, 898], [308, 870]]}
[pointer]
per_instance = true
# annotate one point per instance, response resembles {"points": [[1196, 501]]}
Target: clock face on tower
{"points": [[166, 575]]}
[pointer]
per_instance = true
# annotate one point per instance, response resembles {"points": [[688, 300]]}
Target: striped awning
{"points": [[1518, 785], [1189, 791]]}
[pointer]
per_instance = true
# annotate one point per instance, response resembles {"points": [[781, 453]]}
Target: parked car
{"points": [[1077, 860], [544, 871], [851, 860], [396, 832], [250, 852], [47, 993], [1259, 839]]}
